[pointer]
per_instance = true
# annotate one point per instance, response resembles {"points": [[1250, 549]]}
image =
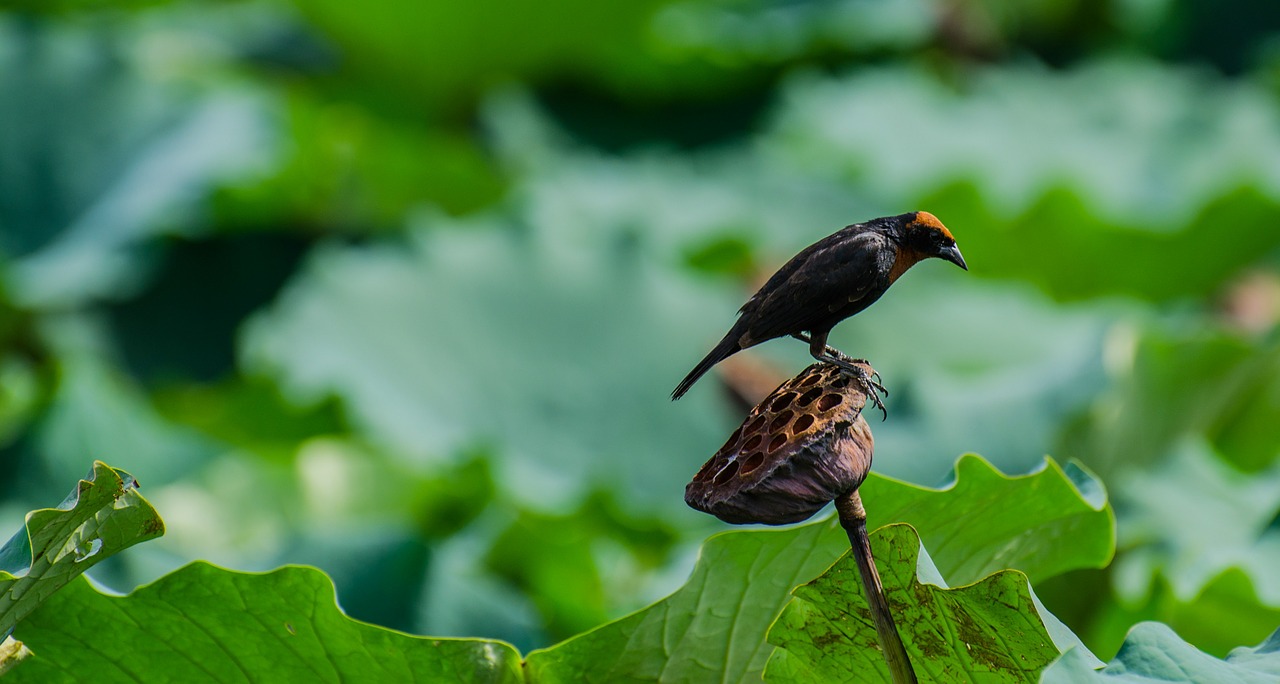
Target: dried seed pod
{"points": [[802, 447]]}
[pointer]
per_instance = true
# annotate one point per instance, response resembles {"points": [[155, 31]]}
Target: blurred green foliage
{"points": [[399, 289]]}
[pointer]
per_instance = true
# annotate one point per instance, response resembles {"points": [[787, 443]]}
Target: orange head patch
{"points": [[926, 221]]}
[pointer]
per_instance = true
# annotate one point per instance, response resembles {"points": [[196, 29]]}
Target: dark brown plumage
{"points": [[829, 281]]}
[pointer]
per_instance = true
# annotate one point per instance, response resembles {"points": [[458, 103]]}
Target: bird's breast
{"points": [[903, 260]]}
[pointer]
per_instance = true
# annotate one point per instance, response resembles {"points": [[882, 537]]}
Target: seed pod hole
{"points": [[802, 423], [733, 440], [801, 447], [829, 401], [780, 421], [711, 467], [726, 473], [809, 397]]}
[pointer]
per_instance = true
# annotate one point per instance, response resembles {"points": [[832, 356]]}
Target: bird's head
{"points": [[923, 233]]}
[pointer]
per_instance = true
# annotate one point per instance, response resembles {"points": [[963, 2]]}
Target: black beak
{"points": [[952, 254]]}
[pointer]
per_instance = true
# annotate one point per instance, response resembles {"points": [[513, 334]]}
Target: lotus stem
{"points": [[853, 518]]}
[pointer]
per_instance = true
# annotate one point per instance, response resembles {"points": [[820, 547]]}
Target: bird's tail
{"points": [[727, 347]]}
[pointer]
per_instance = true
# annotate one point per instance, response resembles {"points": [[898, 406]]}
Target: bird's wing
{"points": [[829, 276]]}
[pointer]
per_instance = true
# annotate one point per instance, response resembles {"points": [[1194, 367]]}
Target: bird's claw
{"points": [[852, 362], [857, 369], [873, 389], [875, 374], [871, 382]]}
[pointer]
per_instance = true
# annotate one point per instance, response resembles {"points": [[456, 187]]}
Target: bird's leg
{"points": [[870, 381], [804, 337], [833, 355]]}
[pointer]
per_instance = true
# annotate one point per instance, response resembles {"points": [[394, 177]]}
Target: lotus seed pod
{"points": [[802, 447]]}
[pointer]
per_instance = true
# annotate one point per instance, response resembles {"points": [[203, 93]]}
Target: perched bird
{"points": [[829, 281]]}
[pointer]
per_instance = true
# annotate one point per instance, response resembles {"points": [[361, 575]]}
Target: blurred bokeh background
{"points": [[399, 289]]}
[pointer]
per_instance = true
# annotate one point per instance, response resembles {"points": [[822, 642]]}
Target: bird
{"points": [[829, 281]]}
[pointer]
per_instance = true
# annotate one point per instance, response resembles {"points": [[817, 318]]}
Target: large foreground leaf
{"points": [[989, 631], [713, 627], [104, 515], [203, 623], [1154, 653], [1043, 524], [715, 624]]}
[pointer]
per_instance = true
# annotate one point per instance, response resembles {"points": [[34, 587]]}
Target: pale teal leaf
{"points": [[1154, 653]]}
